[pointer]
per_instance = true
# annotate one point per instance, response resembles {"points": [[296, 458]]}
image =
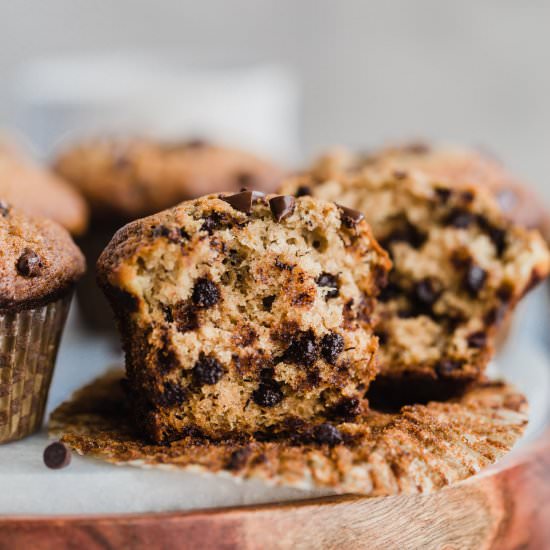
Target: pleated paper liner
{"points": [[29, 340], [419, 449]]}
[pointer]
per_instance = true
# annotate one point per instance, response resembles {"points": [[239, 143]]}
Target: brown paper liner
{"points": [[29, 341]]}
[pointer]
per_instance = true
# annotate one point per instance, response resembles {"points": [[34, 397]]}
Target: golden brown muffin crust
{"points": [[38, 260], [133, 178]]}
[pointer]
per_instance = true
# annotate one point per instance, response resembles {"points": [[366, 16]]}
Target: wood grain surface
{"points": [[504, 509]]}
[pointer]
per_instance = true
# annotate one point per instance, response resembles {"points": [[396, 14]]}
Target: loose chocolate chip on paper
{"points": [[282, 207], [57, 455]]}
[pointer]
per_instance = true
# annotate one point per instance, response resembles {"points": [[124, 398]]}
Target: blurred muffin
{"points": [[125, 179], [39, 264], [456, 165], [38, 192]]}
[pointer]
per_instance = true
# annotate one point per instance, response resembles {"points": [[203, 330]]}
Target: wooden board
{"points": [[504, 508]]}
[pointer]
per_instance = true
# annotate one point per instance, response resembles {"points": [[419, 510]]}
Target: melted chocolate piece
{"points": [[332, 345], [29, 263], [268, 394], [475, 279], [330, 281], [350, 217], [477, 340], [205, 293], [282, 207], [207, 370], [303, 191], [327, 434], [302, 350]]}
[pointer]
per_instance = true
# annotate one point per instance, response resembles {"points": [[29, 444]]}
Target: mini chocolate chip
{"points": [[303, 349], [282, 207], [173, 394], [303, 191], [467, 196], [443, 194], [497, 235], [212, 222], [268, 394], [238, 459], [332, 345], [350, 218], [207, 370], [327, 434], [241, 201], [427, 291], [267, 302], [475, 279], [29, 263], [57, 455], [460, 219], [477, 339], [382, 337], [205, 293], [389, 292], [495, 315], [447, 366], [328, 280], [313, 377], [282, 265], [4, 209], [347, 409], [407, 233], [185, 316]]}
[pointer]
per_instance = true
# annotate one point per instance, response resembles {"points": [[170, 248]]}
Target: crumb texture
{"points": [[235, 322], [459, 266]]}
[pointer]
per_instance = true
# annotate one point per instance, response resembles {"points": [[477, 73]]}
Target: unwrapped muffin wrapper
{"points": [[29, 340]]}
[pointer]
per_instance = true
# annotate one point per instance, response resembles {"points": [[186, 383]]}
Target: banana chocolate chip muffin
{"points": [[39, 264], [38, 192], [245, 313], [459, 267], [454, 164], [126, 179]]}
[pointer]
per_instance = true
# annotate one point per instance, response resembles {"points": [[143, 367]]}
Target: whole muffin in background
{"points": [[39, 265], [38, 192], [125, 179], [245, 313]]}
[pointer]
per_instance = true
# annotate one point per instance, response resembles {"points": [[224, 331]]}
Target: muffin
{"points": [[39, 265], [453, 164], [245, 313], [125, 179], [459, 268], [38, 192]]}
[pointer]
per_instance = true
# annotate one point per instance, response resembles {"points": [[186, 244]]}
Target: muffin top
{"points": [[452, 164], [38, 260], [130, 178], [38, 192]]}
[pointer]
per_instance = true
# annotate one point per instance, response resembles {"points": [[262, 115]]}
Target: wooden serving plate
{"points": [[506, 507]]}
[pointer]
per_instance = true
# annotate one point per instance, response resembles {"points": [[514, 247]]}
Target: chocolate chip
{"points": [[241, 201], [167, 360], [282, 207], [173, 234], [382, 336], [268, 394], [505, 291], [238, 459], [347, 409], [443, 194], [207, 370], [4, 209], [303, 191], [389, 292], [205, 293], [427, 291], [267, 302], [461, 219], [124, 299], [29, 263], [475, 279], [327, 280], [497, 235], [350, 218], [332, 345], [327, 434], [302, 350], [213, 222], [407, 233], [185, 316], [281, 265], [495, 315], [57, 455], [477, 339], [173, 394], [447, 366]]}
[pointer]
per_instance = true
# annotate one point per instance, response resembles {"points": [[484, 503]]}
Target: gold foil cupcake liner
{"points": [[29, 340]]}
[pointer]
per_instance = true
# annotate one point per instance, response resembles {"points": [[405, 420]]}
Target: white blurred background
{"points": [[473, 72]]}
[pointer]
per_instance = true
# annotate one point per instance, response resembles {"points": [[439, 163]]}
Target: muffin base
{"points": [[29, 341]]}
